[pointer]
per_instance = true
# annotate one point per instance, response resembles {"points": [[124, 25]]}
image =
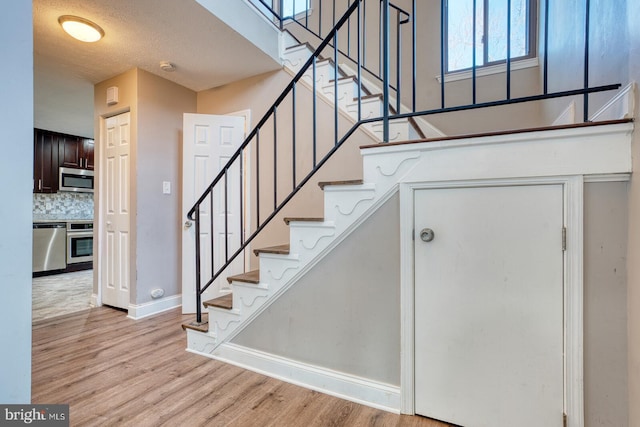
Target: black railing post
{"points": [[280, 13], [386, 70], [198, 279]]}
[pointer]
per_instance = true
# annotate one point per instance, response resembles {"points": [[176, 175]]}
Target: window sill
{"points": [[487, 71], [299, 15]]}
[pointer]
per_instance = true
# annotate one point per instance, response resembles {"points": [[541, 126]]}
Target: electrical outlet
{"points": [[166, 187]]}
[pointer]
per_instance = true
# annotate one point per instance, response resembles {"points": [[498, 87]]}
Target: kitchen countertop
{"points": [[60, 218]]}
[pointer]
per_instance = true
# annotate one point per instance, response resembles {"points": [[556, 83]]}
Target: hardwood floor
{"points": [[115, 371]]}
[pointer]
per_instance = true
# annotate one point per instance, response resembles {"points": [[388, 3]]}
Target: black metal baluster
{"points": [[508, 49], [398, 62], [198, 278], [241, 213], [257, 177], [349, 32], [359, 63], [364, 33], [414, 49], [442, 47], [211, 231], [474, 59], [586, 58], [335, 87], [226, 217], [386, 72], [315, 109], [293, 136], [545, 81], [320, 19], [275, 157], [280, 15]]}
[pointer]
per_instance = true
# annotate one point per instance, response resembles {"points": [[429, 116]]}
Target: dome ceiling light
{"points": [[81, 29]]}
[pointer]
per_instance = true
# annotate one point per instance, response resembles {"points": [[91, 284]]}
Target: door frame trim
{"points": [[573, 212]]}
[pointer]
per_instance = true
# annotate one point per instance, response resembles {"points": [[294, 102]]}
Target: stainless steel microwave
{"points": [[79, 180]]}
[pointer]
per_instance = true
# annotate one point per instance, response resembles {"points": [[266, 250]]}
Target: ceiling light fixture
{"points": [[81, 29]]}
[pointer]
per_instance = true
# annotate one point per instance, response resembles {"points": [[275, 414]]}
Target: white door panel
{"points": [[489, 306], [115, 241], [209, 141]]}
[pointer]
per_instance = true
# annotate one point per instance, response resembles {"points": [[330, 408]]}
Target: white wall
{"points": [[16, 168]]}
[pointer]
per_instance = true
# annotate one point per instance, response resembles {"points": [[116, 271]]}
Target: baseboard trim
{"points": [[349, 387], [140, 311], [94, 301]]}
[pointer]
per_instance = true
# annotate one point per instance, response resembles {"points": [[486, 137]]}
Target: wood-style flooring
{"points": [[114, 371]]}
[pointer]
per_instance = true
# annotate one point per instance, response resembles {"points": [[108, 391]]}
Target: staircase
{"points": [[346, 203], [371, 105]]}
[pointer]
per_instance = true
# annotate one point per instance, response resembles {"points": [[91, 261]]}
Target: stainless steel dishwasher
{"points": [[49, 246]]}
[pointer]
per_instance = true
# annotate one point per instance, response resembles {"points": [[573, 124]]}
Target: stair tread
{"points": [[225, 301], [279, 249], [248, 277], [289, 220], [200, 327], [323, 184], [307, 44]]}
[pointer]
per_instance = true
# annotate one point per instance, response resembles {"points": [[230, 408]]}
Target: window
{"points": [[291, 8], [491, 32]]}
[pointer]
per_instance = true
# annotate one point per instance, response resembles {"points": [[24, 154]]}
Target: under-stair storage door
{"points": [[489, 305], [116, 237], [209, 141]]}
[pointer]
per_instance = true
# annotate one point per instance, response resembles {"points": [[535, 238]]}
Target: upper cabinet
{"points": [[75, 152], [45, 162], [87, 152], [54, 150]]}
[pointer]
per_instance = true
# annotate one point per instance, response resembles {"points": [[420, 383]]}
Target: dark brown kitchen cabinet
{"points": [[88, 147], [53, 150], [75, 152], [45, 162]]}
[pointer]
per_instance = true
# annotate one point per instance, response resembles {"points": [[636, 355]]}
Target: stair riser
{"points": [[325, 72], [347, 92], [308, 240]]}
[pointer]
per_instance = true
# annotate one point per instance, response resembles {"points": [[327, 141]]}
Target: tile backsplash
{"points": [[63, 204]]}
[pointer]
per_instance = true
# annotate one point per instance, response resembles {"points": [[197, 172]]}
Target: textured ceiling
{"points": [[139, 33]]}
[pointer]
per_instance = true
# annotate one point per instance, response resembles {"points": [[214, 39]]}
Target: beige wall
{"points": [[156, 106], [161, 105], [605, 304]]}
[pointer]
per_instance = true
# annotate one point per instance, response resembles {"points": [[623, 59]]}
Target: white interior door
{"points": [[208, 143], [116, 209], [489, 305]]}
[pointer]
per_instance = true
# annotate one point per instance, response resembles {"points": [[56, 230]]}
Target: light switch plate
{"points": [[166, 187]]}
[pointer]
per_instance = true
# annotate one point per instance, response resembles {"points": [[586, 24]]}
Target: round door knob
{"points": [[427, 235]]}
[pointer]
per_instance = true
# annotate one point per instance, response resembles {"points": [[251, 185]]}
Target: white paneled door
{"points": [[209, 141], [115, 259], [489, 305]]}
